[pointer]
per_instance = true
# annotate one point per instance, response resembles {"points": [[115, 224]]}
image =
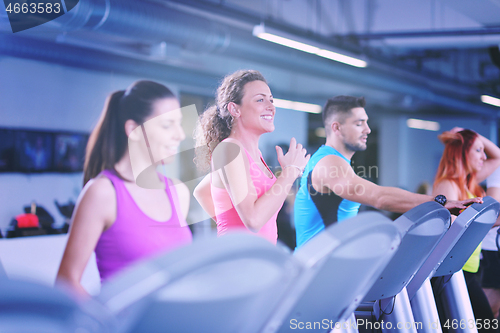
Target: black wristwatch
{"points": [[440, 199]]}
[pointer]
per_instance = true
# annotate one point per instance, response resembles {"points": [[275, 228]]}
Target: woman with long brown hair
{"points": [[122, 221], [468, 159], [241, 192]]}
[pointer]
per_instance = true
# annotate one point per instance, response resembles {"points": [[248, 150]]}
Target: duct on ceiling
{"points": [[150, 22], [444, 39], [146, 22]]}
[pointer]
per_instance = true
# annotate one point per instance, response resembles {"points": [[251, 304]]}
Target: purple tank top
{"points": [[134, 235]]}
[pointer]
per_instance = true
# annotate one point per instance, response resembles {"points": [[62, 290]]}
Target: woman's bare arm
{"points": [[203, 195], [492, 163], [95, 212]]}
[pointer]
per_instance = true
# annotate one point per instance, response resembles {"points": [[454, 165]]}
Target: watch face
{"points": [[441, 199]]}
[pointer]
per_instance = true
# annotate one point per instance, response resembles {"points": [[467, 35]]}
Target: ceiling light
{"points": [[277, 37], [342, 58], [423, 124], [289, 43], [297, 106], [490, 100]]}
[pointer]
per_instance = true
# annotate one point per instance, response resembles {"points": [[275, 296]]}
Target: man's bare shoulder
{"points": [[332, 166]]}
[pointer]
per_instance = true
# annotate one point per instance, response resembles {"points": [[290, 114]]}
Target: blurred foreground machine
{"points": [[387, 302], [242, 283]]}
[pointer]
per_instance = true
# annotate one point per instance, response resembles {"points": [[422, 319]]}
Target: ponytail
{"points": [[449, 137], [108, 140], [212, 128]]}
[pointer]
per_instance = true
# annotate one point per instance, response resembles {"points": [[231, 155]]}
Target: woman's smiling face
{"points": [[164, 130], [257, 109]]}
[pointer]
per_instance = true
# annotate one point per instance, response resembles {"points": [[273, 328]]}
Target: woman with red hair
{"points": [[468, 159]]}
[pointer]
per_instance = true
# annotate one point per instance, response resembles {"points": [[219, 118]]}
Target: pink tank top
{"points": [[134, 235], [227, 216]]}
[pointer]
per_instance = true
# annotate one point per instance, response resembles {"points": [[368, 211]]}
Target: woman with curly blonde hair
{"points": [[241, 192]]}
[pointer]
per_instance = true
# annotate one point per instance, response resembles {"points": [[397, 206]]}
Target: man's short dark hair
{"points": [[342, 105]]}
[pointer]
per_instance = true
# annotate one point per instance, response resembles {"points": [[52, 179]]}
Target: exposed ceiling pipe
{"points": [[443, 39], [427, 33], [147, 21], [439, 42], [73, 56], [378, 75]]}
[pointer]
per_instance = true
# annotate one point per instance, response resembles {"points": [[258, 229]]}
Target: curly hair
{"points": [[216, 122], [455, 166]]}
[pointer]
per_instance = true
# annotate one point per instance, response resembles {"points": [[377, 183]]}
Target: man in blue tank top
{"points": [[330, 191]]}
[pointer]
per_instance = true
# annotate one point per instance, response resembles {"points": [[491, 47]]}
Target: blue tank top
{"points": [[313, 211]]}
